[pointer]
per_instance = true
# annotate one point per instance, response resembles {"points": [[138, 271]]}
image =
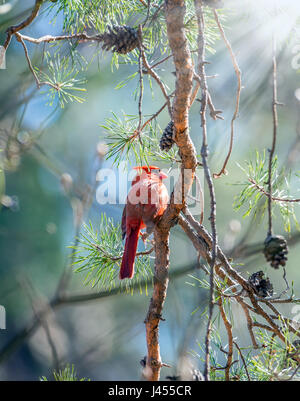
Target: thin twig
{"points": [[198, 183], [117, 258], [274, 198], [285, 320], [161, 61], [204, 154], [38, 82], [200, 245], [157, 11], [238, 92], [155, 114], [228, 327], [263, 326], [140, 38], [243, 360], [275, 126], [157, 79], [294, 373], [195, 92], [148, 5], [50, 38], [243, 304], [215, 114], [15, 28]]}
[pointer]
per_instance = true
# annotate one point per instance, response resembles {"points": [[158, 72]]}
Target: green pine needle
{"points": [[254, 202], [62, 74], [98, 257], [68, 374]]}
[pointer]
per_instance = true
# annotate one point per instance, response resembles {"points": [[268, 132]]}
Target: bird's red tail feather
{"points": [[127, 266]]}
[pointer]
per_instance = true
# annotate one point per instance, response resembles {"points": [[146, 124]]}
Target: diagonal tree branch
{"points": [[16, 28]]}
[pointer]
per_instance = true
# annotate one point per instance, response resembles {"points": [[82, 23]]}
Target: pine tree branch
{"points": [[274, 198], [50, 38], [225, 271], [174, 14], [204, 155], [16, 28], [117, 258], [243, 360]]}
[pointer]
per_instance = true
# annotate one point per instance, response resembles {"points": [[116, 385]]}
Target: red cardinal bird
{"points": [[146, 202]]}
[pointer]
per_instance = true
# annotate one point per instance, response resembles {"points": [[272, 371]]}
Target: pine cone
{"points": [[120, 39], [166, 141], [276, 250], [262, 286], [214, 3]]}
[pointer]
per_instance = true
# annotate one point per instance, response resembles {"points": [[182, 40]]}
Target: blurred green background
{"points": [[105, 339]]}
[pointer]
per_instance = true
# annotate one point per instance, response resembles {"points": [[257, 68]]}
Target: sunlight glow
{"points": [[273, 4], [278, 16]]}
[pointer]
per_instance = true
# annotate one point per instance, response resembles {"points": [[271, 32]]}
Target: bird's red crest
{"points": [[147, 169]]}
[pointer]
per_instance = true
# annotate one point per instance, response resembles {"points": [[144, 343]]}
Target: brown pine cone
{"points": [[119, 39], [167, 141], [276, 250], [262, 286]]}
